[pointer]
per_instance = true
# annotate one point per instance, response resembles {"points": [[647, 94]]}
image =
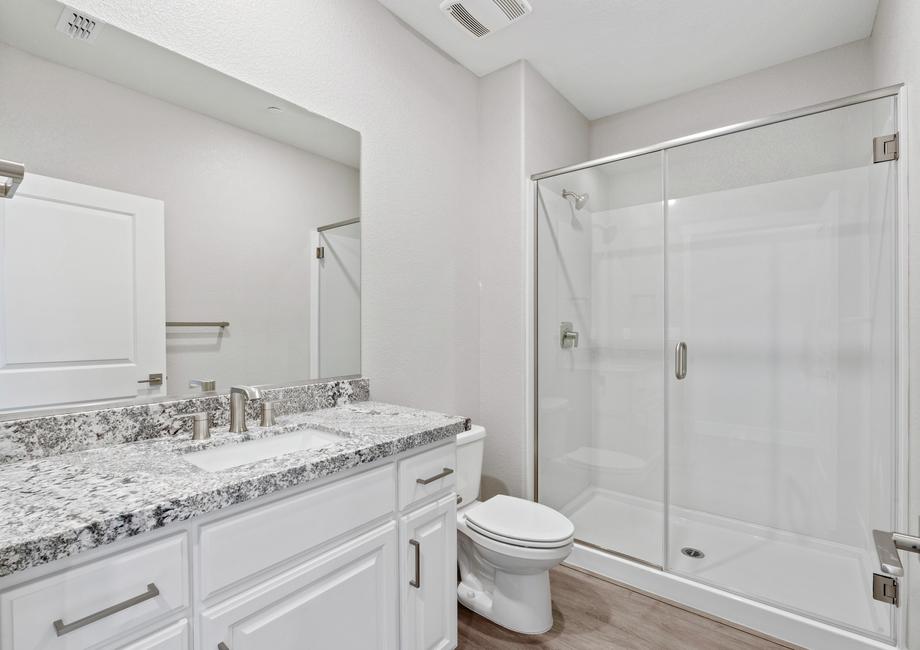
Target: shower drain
{"points": [[692, 552]]}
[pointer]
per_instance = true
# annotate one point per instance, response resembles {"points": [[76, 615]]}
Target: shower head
{"points": [[580, 199]]}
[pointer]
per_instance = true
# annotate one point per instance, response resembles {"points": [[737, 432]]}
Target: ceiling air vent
{"points": [[79, 26], [479, 18]]}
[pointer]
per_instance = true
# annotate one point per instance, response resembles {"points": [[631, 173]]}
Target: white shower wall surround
{"points": [[772, 253]]}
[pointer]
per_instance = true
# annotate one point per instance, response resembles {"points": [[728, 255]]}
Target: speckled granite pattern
{"points": [[58, 434], [57, 506]]}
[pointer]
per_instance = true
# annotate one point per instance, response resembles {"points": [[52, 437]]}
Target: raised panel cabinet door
{"points": [[428, 576], [344, 599], [83, 305]]}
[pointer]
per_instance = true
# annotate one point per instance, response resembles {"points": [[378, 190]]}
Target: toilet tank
{"points": [[470, 445]]}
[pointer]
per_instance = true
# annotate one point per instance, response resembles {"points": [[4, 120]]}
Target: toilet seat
{"points": [[520, 523]]}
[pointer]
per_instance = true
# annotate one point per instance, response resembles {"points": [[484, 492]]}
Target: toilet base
{"points": [[520, 603]]}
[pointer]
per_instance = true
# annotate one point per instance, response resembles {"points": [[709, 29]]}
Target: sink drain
{"points": [[692, 552]]}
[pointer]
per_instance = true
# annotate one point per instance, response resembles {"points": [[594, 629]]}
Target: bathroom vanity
{"points": [[349, 544]]}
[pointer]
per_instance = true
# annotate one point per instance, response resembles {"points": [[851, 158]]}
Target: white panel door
{"points": [[344, 599], [82, 307], [428, 579]]}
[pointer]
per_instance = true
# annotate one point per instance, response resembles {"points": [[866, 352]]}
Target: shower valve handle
{"points": [[568, 338]]}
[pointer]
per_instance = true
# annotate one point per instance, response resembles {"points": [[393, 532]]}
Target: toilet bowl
{"points": [[505, 548]]}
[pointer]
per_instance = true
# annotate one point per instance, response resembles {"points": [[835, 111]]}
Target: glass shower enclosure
{"points": [[717, 373]]}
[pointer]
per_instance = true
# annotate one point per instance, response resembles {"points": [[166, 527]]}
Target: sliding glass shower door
{"points": [[717, 359]]}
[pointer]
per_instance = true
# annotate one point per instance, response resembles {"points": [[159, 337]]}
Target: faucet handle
{"points": [[205, 385], [201, 424], [269, 411]]}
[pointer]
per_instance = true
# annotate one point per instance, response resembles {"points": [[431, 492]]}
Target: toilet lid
{"points": [[518, 520]]}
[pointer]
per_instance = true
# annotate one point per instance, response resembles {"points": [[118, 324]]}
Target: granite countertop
{"points": [[54, 507]]}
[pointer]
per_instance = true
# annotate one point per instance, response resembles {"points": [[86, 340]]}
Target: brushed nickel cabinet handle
{"points": [[447, 471], [63, 628], [417, 583]]}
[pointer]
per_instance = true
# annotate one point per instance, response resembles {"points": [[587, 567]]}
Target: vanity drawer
{"points": [[125, 591], [427, 474], [244, 544]]}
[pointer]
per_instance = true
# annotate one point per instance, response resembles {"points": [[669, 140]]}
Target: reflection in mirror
{"points": [[176, 230]]}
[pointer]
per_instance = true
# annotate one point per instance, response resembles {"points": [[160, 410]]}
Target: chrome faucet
{"points": [[239, 396]]}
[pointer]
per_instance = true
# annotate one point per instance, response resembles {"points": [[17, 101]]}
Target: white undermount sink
{"points": [[243, 453]]}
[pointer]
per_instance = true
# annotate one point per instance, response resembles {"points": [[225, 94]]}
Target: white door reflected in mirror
{"points": [[83, 298]]}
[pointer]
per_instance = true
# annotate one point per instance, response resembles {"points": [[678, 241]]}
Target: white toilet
{"points": [[505, 548]]}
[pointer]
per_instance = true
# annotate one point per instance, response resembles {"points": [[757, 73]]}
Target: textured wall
{"points": [[525, 126], [352, 61], [812, 79]]}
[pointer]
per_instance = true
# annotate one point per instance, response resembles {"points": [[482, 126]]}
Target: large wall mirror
{"points": [[175, 231]]}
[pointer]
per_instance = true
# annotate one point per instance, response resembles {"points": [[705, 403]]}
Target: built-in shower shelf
{"points": [[606, 459]]}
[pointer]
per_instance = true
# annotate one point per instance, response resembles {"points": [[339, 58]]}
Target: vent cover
{"points": [[479, 18], [79, 26]]}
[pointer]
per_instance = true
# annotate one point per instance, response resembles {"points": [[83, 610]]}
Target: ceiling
{"points": [[127, 60], [606, 56]]}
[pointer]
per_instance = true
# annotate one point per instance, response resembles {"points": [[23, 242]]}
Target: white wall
{"points": [[231, 197], [524, 125], [501, 273], [417, 113], [838, 72]]}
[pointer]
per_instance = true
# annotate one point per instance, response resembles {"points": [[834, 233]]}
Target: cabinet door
{"points": [[343, 599], [428, 576]]}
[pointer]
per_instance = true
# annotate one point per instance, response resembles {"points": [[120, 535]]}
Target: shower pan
{"points": [[724, 421]]}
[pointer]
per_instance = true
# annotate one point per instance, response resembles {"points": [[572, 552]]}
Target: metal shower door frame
{"points": [[899, 94]]}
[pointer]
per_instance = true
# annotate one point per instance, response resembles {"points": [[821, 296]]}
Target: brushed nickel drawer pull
{"points": [[447, 471], [417, 583], [65, 628]]}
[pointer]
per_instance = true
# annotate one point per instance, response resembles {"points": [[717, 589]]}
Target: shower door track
{"points": [[902, 300]]}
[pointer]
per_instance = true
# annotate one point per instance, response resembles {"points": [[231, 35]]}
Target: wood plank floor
{"points": [[590, 613]]}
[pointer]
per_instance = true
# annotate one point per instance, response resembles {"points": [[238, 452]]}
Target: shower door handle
{"points": [[680, 360]]}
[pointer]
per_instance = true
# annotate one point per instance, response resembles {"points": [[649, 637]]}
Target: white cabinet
{"points": [[428, 576], [426, 475], [342, 599], [248, 543], [98, 601], [324, 567]]}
